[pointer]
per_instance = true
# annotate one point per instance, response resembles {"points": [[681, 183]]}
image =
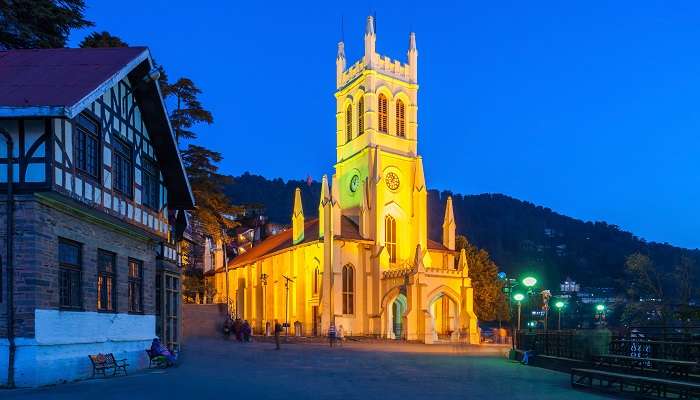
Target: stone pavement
{"points": [[217, 369]]}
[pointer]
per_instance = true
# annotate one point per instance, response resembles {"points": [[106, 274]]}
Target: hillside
{"points": [[520, 236]]}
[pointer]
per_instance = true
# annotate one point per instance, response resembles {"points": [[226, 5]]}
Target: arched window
{"points": [[390, 237], [348, 123], [383, 115], [348, 290], [360, 116], [400, 119], [315, 281]]}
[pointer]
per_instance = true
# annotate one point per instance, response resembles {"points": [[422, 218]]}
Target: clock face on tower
{"points": [[392, 181], [354, 183]]}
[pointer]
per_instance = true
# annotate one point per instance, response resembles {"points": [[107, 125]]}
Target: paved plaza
{"points": [[216, 369]]}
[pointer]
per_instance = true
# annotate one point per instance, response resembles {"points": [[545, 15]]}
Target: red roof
{"points": [[349, 230], [58, 77]]}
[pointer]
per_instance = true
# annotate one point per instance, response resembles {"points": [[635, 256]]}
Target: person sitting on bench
{"points": [[158, 349]]}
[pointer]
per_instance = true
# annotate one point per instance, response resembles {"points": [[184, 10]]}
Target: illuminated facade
{"points": [[366, 263]]}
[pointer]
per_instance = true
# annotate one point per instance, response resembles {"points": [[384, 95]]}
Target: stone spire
{"points": [[420, 204], [448, 226], [339, 63], [370, 42], [365, 210], [462, 263], [419, 180], [323, 202], [335, 203], [297, 219], [413, 57], [377, 167]]}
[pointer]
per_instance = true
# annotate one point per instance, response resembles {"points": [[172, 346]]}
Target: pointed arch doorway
{"points": [[445, 319], [397, 320]]}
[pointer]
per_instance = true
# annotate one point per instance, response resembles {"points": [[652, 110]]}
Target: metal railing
{"points": [[551, 343], [667, 350]]}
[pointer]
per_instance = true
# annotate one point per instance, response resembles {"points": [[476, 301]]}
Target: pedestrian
{"points": [[246, 331], [340, 334], [331, 334], [227, 327], [278, 330], [237, 327]]}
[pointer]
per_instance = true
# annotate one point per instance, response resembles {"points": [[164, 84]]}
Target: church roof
{"points": [[349, 230]]}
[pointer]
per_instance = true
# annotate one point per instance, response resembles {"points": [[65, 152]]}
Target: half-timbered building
{"points": [[98, 193]]}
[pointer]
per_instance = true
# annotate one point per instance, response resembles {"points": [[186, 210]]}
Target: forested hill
{"points": [[520, 236]]}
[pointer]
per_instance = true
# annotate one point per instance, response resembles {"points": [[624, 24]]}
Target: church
{"points": [[366, 263]]}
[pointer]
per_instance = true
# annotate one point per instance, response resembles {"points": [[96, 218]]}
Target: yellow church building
{"points": [[366, 264]]}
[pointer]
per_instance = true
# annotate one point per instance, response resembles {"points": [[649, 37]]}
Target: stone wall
{"points": [[202, 320], [50, 336]]}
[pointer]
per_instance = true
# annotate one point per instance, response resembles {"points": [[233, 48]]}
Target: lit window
{"points": [[361, 116], [348, 289], [135, 286], [316, 280], [400, 119], [390, 237], [106, 284], [383, 114], [348, 123]]}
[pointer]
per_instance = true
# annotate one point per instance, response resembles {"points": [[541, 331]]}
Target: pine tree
{"points": [[489, 301], [39, 24], [102, 39], [188, 110]]}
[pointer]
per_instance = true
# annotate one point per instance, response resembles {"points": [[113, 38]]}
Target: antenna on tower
{"points": [[375, 21], [342, 29]]}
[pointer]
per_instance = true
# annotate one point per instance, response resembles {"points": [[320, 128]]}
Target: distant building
{"points": [[99, 193], [569, 286]]}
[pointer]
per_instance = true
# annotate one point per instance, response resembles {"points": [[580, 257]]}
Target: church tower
{"points": [[378, 170]]}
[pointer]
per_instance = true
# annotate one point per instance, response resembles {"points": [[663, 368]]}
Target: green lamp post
{"points": [[519, 298], [559, 305], [529, 282]]}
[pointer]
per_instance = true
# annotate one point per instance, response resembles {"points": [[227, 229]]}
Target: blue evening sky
{"points": [[589, 108]]}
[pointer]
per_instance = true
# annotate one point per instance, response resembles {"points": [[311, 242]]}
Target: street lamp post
{"points": [[286, 302], [559, 305], [263, 279], [600, 314], [519, 298], [529, 282]]}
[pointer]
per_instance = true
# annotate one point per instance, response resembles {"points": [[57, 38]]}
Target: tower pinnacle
{"points": [[448, 226], [413, 57], [297, 218], [340, 63], [370, 42]]}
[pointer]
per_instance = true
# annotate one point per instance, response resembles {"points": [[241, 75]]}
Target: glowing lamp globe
{"points": [[529, 281], [559, 304], [518, 297], [600, 307]]}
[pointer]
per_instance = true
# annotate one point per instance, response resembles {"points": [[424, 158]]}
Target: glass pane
{"points": [[69, 253]]}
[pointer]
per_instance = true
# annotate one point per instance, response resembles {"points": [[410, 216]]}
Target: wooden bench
{"points": [[663, 367], [103, 362], [638, 386], [155, 360]]}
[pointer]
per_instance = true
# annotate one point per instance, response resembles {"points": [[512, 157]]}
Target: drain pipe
{"points": [[10, 202]]}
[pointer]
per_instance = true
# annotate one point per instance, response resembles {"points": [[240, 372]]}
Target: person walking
{"points": [[278, 330], [340, 334], [331, 334], [247, 331]]}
